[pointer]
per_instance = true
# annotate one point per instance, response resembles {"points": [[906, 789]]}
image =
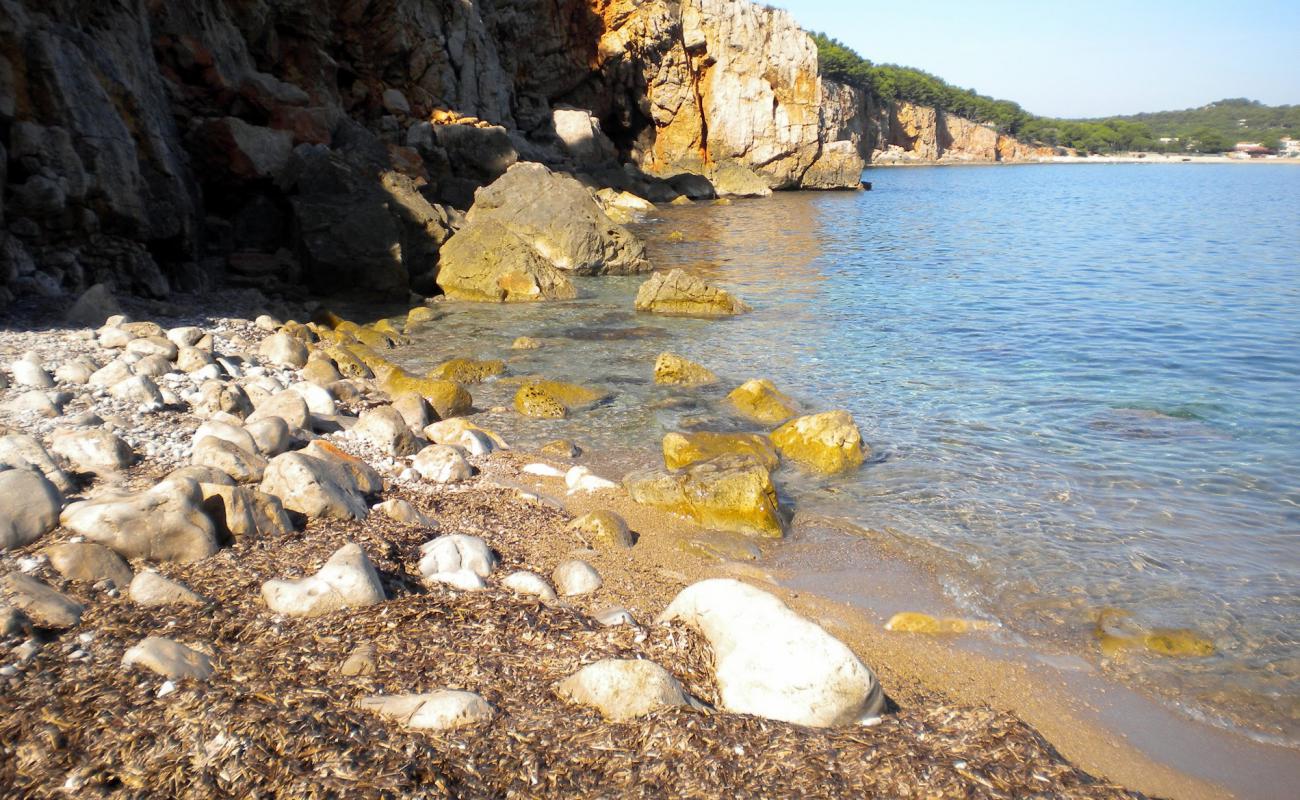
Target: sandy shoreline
{"points": [[984, 692]]}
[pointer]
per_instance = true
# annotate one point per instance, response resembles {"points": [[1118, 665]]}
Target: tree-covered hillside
{"points": [[1209, 129]]}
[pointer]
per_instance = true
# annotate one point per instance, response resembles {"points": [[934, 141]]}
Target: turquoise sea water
{"points": [[1080, 385]]}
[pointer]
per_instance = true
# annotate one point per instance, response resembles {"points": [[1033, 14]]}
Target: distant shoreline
{"points": [[1149, 158]]}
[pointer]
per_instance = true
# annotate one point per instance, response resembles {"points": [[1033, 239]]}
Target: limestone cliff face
{"points": [[903, 132], [328, 143], [708, 83]]}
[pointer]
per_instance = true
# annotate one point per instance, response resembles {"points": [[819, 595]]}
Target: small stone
{"points": [[218, 397], [314, 486], [111, 374], [386, 429], [347, 580], [457, 560], [402, 511], [441, 710], [623, 689], [75, 372], [28, 371], [581, 479], [234, 434], [88, 563], [187, 336], [560, 448], [464, 434], [283, 350], [525, 343], [139, 389], [674, 370], [169, 659], [191, 359], [268, 323], [270, 436], [361, 661], [35, 402], [153, 346], [165, 523], [575, 578], [530, 584], [150, 589], [287, 405], [44, 606], [614, 616], [19, 450], [603, 529], [442, 463]]}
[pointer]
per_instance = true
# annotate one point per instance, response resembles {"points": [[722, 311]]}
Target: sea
{"points": [[1080, 386]]}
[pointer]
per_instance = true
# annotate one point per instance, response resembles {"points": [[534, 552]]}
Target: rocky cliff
{"points": [[280, 143], [903, 132]]}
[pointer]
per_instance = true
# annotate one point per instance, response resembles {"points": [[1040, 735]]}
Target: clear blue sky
{"points": [[1086, 59]]}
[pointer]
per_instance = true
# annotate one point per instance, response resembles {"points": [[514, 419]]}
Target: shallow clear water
{"points": [[1080, 385]]}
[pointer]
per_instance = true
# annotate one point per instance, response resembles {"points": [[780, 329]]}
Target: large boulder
{"points": [[825, 443], [165, 523], [623, 689], [839, 166], [681, 294], [347, 580], [773, 663], [29, 507], [732, 493], [487, 262], [314, 486], [684, 449]]}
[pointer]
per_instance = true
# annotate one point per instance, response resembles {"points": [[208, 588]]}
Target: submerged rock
{"points": [[623, 689], [556, 399], [826, 443], [761, 401], [731, 493], [468, 370], [773, 663], [684, 449], [680, 293], [674, 370]]}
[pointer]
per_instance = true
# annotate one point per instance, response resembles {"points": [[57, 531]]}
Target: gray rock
{"points": [[242, 465], [28, 371], [440, 710], [112, 373], [228, 432], [575, 578], [191, 359], [623, 689], [270, 436], [614, 615], [29, 506], [20, 450], [414, 410], [153, 346], [347, 580], [230, 508], [165, 523], [385, 428], [169, 659], [45, 607], [137, 389], [283, 350], [318, 398], [314, 486], [288, 406], [152, 366], [361, 661], [218, 397], [13, 622], [36, 402], [93, 450], [186, 336], [76, 372], [88, 563], [95, 305], [442, 463], [150, 589], [365, 477]]}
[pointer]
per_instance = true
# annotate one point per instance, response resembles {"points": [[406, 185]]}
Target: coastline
{"points": [[920, 674], [1148, 158]]}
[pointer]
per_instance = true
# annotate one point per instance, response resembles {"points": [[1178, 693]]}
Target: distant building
{"points": [[1251, 149], [1290, 148]]}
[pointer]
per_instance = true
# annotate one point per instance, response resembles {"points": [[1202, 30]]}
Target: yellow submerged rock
{"points": [[732, 493], [683, 449], [916, 622], [378, 338], [468, 370], [825, 443], [448, 398], [1117, 634], [761, 401], [525, 343], [417, 316], [555, 399], [680, 293], [672, 369], [348, 364]]}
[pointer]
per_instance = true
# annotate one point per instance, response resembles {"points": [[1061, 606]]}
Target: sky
{"points": [[1089, 59]]}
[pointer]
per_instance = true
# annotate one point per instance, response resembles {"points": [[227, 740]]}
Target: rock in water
{"points": [[169, 659], [684, 449], [29, 506], [556, 399], [44, 606], [773, 663], [441, 710], [761, 401], [347, 580], [731, 493], [681, 294], [165, 523], [825, 443], [623, 689], [673, 370], [488, 263]]}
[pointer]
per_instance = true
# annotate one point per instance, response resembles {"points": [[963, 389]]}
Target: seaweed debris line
{"points": [[253, 557]]}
